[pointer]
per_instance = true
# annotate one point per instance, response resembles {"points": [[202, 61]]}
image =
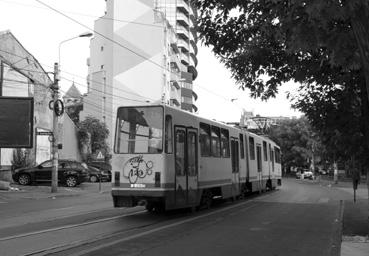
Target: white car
{"points": [[308, 175]]}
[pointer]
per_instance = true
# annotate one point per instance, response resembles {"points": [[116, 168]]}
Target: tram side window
{"points": [[252, 148], [215, 141], [205, 139], [242, 147], [224, 142], [168, 135], [277, 155], [265, 150]]}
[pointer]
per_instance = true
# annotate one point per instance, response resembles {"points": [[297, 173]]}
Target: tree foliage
{"points": [[265, 43], [319, 44], [93, 132], [22, 158], [298, 142]]}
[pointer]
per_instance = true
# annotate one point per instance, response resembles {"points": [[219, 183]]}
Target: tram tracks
{"points": [[138, 225]]}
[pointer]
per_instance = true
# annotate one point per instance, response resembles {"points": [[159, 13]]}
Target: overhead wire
{"points": [[85, 15], [119, 44]]}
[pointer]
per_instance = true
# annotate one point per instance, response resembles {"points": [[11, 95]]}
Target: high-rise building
{"points": [[144, 51]]}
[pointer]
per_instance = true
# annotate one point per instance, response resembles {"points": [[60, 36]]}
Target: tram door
{"points": [[235, 157], [259, 165], [186, 171]]}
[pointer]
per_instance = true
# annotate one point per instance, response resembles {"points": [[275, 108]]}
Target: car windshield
{"points": [[139, 130]]}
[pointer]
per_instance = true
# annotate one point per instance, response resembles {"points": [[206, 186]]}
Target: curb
{"points": [[338, 229]]}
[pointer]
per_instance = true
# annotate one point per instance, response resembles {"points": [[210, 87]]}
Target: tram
{"points": [[166, 158]]}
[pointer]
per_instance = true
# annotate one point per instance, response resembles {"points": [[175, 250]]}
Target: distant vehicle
{"points": [[104, 167], [70, 172], [308, 175], [96, 175], [305, 173]]}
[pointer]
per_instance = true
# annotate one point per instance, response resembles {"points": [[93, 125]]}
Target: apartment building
{"points": [[144, 52]]}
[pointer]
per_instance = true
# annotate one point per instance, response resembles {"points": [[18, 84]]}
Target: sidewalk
{"points": [[355, 231], [44, 191]]}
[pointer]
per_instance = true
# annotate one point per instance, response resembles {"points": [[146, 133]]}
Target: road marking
{"points": [[68, 226], [161, 228]]}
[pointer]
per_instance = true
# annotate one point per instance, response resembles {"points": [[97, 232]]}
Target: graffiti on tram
{"points": [[137, 168]]}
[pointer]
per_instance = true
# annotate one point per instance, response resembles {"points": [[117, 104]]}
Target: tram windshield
{"points": [[139, 130]]}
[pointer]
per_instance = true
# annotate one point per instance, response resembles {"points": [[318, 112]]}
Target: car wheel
{"points": [[71, 181], [24, 179], [94, 178]]}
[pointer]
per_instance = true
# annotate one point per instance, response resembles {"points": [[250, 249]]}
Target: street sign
{"points": [[100, 155], [44, 133]]}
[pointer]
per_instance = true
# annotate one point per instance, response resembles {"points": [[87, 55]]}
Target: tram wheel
{"points": [[207, 199], [149, 207]]}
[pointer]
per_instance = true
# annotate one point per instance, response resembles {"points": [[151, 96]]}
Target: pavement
{"points": [[17, 192], [355, 215]]}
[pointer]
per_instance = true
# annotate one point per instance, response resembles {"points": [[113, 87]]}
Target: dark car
{"points": [[70, 173], [96, 175], [104, 167]]}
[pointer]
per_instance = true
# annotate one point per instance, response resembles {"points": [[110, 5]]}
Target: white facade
{"points": [[135, 60]]}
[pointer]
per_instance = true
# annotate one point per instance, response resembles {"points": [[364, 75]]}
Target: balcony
{"points": [[193, 47], [193, 59], [195, 96], [175, 96], [185, 59], [183, 7], [174, 47], [192, 69], [175, 63], [183, 32], [183, 19], [184, 45]]}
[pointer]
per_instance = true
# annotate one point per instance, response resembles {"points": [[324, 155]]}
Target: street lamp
{"points": [[57, 111]]}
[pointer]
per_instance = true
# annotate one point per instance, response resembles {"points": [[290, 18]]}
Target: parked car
{"points": [[104, 167], [96, 175], [305, 173], [308, 175], [70, 172]]}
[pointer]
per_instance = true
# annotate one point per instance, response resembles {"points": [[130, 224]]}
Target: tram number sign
{"points": [[44, 133]]}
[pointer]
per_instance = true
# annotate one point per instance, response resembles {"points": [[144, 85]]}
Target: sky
{"points": [[40, 30]]}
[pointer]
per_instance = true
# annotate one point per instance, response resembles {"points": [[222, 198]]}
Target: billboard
{"points": [[16, 122]]}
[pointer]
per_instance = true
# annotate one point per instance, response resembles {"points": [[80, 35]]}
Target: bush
{"points": [[21, 158]]}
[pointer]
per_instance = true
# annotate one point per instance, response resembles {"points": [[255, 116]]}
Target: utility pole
{"points": [[55, 155]]}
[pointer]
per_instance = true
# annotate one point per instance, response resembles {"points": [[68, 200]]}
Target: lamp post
{"points": [[57, 111]]}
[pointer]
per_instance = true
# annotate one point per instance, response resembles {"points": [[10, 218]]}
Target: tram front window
{"points": [[139, 130]]}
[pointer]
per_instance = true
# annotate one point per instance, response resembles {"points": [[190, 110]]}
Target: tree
{"points": [[92, 135], [21, 158], [317, 43], [297, 140]]}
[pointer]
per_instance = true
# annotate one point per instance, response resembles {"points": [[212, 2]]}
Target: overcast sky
{"points": [[40, 30]]}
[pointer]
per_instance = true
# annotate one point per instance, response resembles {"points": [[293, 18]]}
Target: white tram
{"points": [[168, 158]]}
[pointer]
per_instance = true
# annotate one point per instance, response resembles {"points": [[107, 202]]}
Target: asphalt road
{"points": [[300, 218]]}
